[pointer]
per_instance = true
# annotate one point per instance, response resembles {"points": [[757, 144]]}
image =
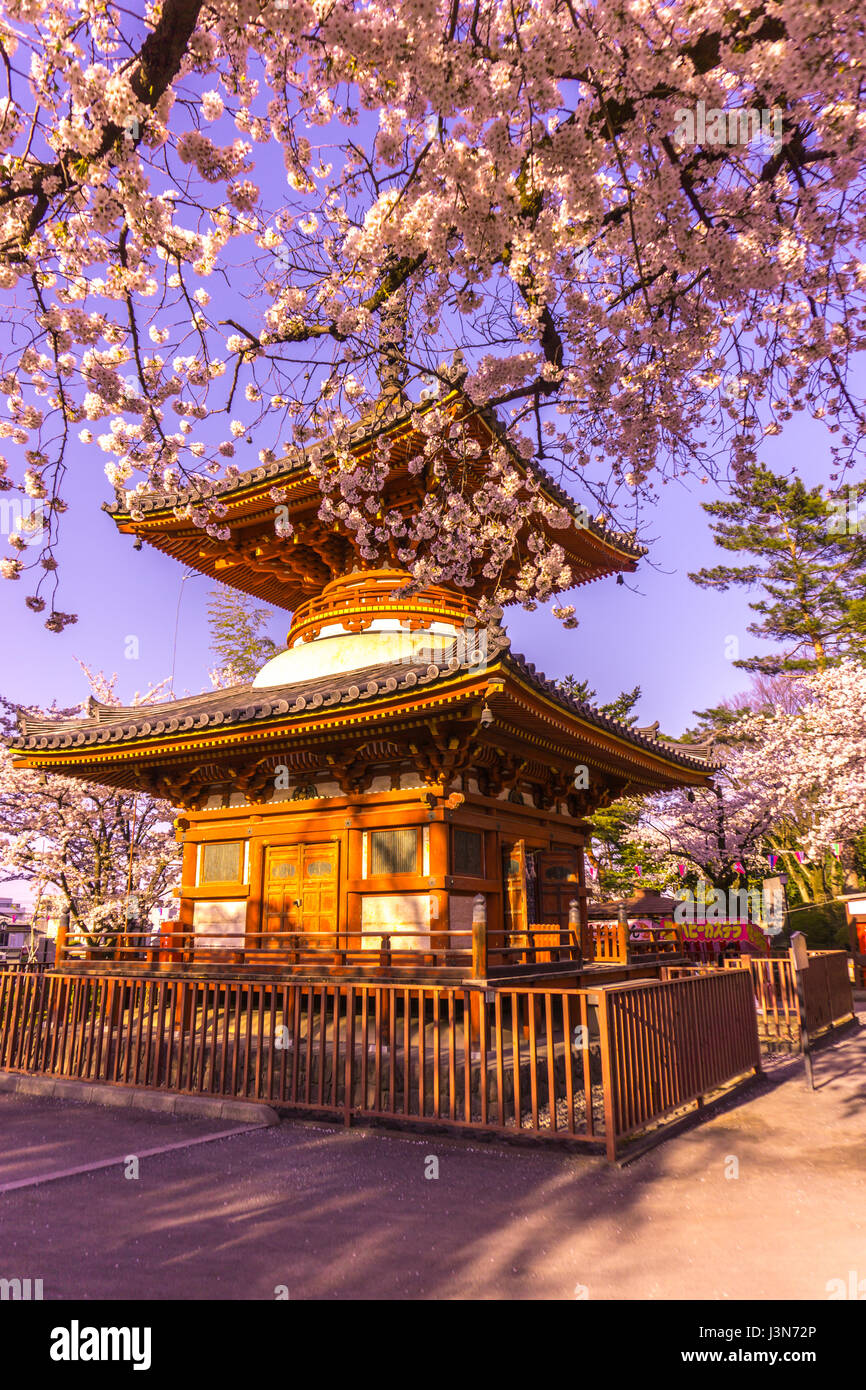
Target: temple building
{"points": [[396, 793]]}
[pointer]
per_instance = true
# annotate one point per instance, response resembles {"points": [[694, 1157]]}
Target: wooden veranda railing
{"points": [[399, 949], [827, 992], [477, 953], [587, 1066]]}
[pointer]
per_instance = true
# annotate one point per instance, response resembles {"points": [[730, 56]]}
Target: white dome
{"points": [[355, 651]]}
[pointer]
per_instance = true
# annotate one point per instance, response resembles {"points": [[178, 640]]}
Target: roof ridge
{"points": [[246, 701]]}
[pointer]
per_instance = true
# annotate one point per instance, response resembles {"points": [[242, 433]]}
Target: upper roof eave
{"points": [[296, 463]]}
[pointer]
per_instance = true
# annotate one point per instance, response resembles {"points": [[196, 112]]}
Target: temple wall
{"points": [[431, 896]]}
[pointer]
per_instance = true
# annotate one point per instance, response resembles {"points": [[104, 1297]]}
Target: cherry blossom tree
{"points": [[236, 224], [711, 831], [792, 782], [105, 856], [813, 761]]}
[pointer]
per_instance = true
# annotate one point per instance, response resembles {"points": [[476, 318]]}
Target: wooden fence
{"points": [[827, 992], [587, 1066]]}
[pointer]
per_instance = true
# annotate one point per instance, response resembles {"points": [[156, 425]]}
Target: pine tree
{"points": [[620, 708], [238, 639], [810, 565]]}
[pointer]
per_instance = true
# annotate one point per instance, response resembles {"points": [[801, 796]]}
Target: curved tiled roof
{"points": [[243, 705]]}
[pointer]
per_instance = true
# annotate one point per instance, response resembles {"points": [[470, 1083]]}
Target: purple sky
{"points": [[658, 630]]}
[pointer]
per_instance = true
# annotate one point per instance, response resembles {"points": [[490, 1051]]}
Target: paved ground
{"points": [[329, 1213]]}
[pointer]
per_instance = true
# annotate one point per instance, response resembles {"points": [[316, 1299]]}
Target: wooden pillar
{"points": [[186, 907], [495, 900], [479, 968], [255, 900], [583, 904], [350, 911], [60, 943], [622, 935], [575, 935], [440, 916]]}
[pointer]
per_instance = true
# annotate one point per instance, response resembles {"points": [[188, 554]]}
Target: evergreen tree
{"points": [[620, 708], [722, 723], [238, 639], [809, 564]]}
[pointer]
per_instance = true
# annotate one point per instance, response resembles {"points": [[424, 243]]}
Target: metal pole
{"points": [[799, 964]]}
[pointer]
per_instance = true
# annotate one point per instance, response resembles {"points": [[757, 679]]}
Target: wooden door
{"points": [[319, 886], [301, 896], [558, 883], [282, 896]]}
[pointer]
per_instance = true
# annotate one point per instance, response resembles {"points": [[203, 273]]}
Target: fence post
{"points": [[349, 1095], [479, 937], [384, 994], [622, 934], [601, 1003]]}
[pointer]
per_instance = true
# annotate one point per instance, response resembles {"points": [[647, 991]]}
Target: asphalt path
{"points": [[766, 1199]]}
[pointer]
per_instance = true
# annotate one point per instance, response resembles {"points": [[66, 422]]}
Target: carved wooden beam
{"points": [[505, 772], [251, 778], [351, 770]]}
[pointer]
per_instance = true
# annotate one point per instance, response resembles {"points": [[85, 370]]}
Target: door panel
{"points": [[558, 883], [282, 889], [301, 892], [319, 888]]}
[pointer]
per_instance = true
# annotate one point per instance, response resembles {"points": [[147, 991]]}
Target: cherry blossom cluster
{"points": [[209, 214], [796, 773]]}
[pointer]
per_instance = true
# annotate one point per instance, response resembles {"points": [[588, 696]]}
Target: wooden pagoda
{"points": [[396, 794]]}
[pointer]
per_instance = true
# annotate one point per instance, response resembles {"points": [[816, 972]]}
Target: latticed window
{"points": [[222, 863], [319, 868], [467, 853], [393, 851]]}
